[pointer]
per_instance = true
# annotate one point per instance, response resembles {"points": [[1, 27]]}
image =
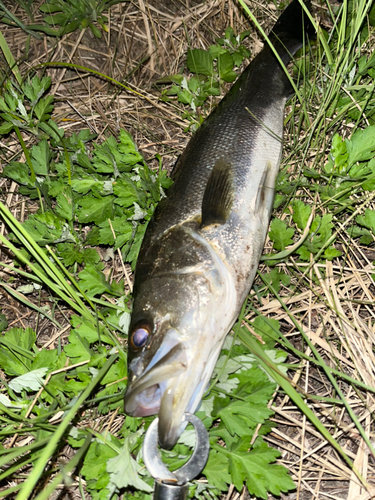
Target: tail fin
{"points": [[291, 29]]}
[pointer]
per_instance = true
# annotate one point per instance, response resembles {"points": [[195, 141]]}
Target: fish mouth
{"points": [[144, 394], [166, 387]]}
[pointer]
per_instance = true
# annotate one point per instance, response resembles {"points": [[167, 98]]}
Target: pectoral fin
{"points": [[218, 196]]}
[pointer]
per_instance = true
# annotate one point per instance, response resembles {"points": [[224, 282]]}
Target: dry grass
{"points": [[333, 301]]}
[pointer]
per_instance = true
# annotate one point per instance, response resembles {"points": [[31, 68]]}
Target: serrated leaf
{"points": [[136, 245], [35, 88], [78, 348], [95, 463], [239, 418], [95, 209], [86, 184], [126, 191], [256, 469], [361, 146], [93, 281], [64, 205], [30, 381], [41, 157], [122, 228], [367, 220], [70, 254], [339, 154], [275, 277], [44, 107], [280, 234], [304, 253], [301, 214], [216, 470], [331, 253], [185, 96], [124, 470], [18, 172], [10, 360]]}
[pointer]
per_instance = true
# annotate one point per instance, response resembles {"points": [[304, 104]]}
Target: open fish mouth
{"points": [[144, 394], [167, 387]]}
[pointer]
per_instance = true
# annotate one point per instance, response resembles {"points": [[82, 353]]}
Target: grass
{"points": [[70, 238]]}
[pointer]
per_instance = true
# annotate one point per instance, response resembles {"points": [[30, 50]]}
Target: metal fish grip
{"points": [[175, 485]]}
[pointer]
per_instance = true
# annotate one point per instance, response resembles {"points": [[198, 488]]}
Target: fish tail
{"points": [[291, 30]]}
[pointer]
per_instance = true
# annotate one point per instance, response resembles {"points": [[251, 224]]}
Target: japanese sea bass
{"points": [[202, 248]]}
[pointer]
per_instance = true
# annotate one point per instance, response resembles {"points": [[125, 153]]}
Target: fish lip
{"points": [[156, 375]]}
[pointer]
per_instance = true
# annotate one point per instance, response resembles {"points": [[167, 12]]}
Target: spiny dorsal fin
{"points": [[218, 196]]}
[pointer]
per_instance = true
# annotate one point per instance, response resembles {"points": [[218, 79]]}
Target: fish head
{"points": [[175, 337]]}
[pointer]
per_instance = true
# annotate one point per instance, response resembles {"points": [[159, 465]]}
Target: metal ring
{"points": [[195, 464]]}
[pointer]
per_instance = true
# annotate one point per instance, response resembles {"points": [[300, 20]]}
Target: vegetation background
{"points": [[97, 100]]}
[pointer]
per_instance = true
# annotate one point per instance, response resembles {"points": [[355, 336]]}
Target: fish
{"points": [[202, 247]]}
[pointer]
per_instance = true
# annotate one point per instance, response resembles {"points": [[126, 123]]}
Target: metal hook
{"points": [[174, 485]]}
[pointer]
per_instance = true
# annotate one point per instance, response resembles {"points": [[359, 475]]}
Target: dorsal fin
{"points": [[218, 196]]}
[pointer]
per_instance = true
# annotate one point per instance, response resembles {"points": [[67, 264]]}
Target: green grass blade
{"points": [[37, 471], [10, 59]]}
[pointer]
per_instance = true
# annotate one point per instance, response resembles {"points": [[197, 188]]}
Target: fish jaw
{"points": [[145, 391], [183, 395], [172, 385]]}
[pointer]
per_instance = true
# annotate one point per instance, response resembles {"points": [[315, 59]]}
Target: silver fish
{"points": [[202, 248]]}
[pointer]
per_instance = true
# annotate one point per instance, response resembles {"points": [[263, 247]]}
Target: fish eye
{"points": [[139, 336]]}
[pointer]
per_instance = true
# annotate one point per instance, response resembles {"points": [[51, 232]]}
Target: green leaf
{"points": [[95, 464], [41, 157], [30, 381], [35, 88], [367, 220], [121, 226], [280, 234], [331, 253], [12, 343], [124, 470], [276, 277], [361, 146], [239, 418], [216, 470], [86, 184], [301, 214], [3, 322], [64, 205], [268, 329], [70, 253], [18, 172], [200, 61], [136, 245], [339, 154], [93, 282], [256, 469], [126, 192], [225, 64], [95, 209], [44, 108], [78, 348]]}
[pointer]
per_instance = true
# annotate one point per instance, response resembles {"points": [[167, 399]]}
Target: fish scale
{"points": [[202, 248]]}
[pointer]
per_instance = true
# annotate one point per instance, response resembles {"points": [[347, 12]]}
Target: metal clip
{"points": [[174, 485]]}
